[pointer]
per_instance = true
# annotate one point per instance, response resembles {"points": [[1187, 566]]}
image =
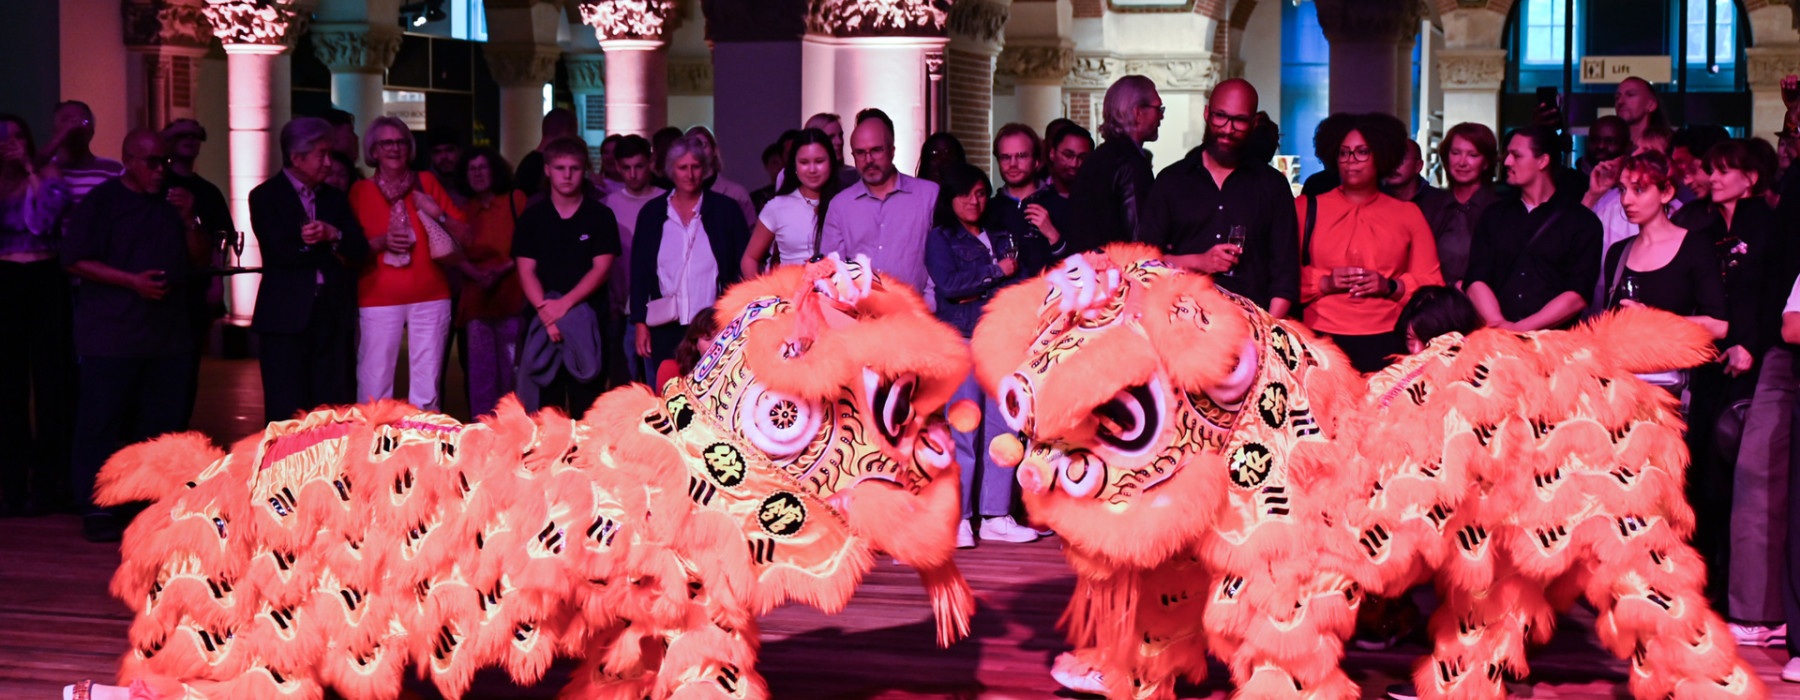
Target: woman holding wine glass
{"points": [[1664, 266], [1365, 251], [968, 263]]}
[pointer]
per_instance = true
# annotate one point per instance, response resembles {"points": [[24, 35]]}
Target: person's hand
{"points": [[1605, 176], [1790, 92], [1040, 217], [1343, 279], [402, 240], [15, 150], [427, 206], [313, 232], [1737, 359], [552, 310], [1368, 283], [1549, 115], [643, 340], [183, 201], [554, 332], [1630, 304], [150, 284], [1220, 258], [1008, 266]]}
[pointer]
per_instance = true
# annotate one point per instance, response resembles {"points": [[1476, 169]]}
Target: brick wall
{"points": [[1081, 110], [1089, 8], [970, 76]]}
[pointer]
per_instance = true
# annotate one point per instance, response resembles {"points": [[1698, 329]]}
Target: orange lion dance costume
{"points": [[1227, 483], [336, 549]]}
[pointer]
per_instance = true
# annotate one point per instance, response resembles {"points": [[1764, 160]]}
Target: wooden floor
{"points": [[58, 624]]}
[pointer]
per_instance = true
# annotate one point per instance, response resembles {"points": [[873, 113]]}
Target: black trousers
{"points": [[571, 395], [125, 400], [37, 382], [1369, 353], [315, 367]]}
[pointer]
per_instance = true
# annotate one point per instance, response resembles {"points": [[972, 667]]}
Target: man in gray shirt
{"points": [[885, 215]]}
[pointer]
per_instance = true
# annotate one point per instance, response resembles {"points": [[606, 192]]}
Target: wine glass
{"points": [[1630, 288], [1235, 236]]}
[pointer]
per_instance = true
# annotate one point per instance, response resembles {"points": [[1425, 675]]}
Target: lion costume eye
{"points": [[778, 424], [1132, 419], [892, 402]]}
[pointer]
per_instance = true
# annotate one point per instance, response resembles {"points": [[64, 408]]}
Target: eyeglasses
{"points": [[390, 143], [1220, 120], [1161, 110], [1355, 155], [867, 153]]}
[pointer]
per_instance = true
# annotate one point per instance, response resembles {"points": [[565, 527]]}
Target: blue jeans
{"points": [[980, 475]]}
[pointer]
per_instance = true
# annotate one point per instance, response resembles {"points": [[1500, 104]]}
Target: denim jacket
{"points": [[964, 273]]}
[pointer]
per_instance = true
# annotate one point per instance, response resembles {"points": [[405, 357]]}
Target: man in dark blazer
{"points": [[312, 247]]}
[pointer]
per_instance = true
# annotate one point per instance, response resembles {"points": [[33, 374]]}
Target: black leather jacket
{"points": [[1109, 191]]}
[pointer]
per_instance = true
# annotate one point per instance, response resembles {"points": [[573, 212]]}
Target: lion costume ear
{"points": [[1196, 331]]}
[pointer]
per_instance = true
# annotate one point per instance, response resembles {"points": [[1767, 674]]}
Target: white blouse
{"points": [[791, 217], [685, 267]]}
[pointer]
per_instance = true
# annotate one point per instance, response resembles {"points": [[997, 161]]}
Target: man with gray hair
{"points": [[1113, 184], [312, 247]]}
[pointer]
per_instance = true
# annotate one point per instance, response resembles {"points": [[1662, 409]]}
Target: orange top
{"points": [[1383, 234], [382, 284], [491, 233]]}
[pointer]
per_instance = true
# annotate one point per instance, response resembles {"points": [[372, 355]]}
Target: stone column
{"points": [[1767, 66], [633, 36], [255, 34], [521, 71], [1366, 58], [1471, 80], [975, 28], [167, 39], [358, 56], [1038, 72], [587, 79], [889, 55]]}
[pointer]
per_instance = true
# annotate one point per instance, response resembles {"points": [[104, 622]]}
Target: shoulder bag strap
{"points": [[1312, 220], [1612, 288]]}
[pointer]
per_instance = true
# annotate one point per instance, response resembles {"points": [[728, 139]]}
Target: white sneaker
{"points": [[1005, 529], [1791, 672], [1758, 635], [1070, 674], [965, 536]]}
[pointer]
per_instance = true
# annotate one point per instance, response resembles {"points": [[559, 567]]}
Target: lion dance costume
{"points": [[334, 550], [1227, 483]]}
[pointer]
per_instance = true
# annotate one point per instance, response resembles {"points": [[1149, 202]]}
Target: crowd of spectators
{"points": [[560, 278]]}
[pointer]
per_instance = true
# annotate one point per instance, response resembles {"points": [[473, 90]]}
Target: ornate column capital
{"points": [[1767, 65], [587, 72], [865, 18], [1194, 73], [650, 20], [356, 48], [982, 21], [513, 65], [1471, 69], [261, 22], [1039, 64], [155, 23]]}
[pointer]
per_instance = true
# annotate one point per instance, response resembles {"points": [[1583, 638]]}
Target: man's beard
{"points": [[1222, 151]]}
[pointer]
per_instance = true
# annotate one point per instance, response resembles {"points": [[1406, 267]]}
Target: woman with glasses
{"points": [[1363, 253], [412, 226], [38, 366], [968, 262]]}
